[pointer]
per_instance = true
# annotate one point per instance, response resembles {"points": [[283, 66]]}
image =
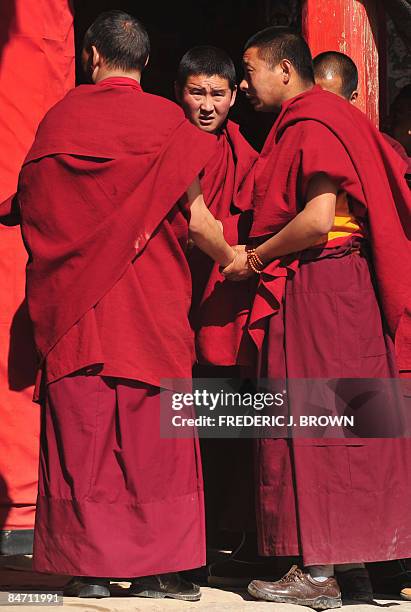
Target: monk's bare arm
{"points": [[305, 230], [205, 230], [309, 226]]}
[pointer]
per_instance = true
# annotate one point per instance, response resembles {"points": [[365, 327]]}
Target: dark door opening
{"points": [[175, 27]]}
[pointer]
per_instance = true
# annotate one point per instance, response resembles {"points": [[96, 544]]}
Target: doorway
{"points": [[175, 27]]}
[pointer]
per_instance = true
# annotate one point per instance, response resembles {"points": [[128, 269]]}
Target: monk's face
{"points": [[262, 84], [206, 101], [333, 82]]}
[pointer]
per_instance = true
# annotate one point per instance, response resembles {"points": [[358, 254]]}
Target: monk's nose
{"points": [[207, 105], [244, 86]]}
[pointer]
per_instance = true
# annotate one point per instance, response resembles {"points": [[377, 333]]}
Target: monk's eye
{"points": [[218, 94]]}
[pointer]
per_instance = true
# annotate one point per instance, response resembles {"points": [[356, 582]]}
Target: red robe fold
{"points": [[373, 177], [115, 499], [220, 308], [325, 498], [140, 328], [108, 164]]}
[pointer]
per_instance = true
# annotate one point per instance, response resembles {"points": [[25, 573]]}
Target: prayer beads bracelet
{"points": [[255, 263]]}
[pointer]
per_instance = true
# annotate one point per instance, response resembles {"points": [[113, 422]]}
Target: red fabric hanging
{"points": [[36, 70]]}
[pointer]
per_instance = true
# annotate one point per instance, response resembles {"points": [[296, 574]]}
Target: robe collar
{"points": [[121, 81]]}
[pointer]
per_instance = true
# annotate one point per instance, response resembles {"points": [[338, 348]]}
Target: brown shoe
{"points": [[355, 585], [300, 589]]}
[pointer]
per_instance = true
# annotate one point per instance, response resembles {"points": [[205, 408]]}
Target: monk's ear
{"points": [[233, 96], [353, 97], [96, 58], [286, 68]]}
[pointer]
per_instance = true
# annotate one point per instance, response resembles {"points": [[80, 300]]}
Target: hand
{"points": [[239, 248], [230, 259], [239, 269]]}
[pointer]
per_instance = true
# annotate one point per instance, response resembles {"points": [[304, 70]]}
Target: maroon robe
{"points": [[112, 501], [220, 308], [109, 291], [316, 315], [92, 193]]}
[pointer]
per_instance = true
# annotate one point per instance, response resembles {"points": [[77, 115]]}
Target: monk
{"points": [[206, 89], [109, 195], [336, 72], [316, 316]]}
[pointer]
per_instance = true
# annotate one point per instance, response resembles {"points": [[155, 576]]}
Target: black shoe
{"points": [[165, 585], [86, 586], [355, 585]]}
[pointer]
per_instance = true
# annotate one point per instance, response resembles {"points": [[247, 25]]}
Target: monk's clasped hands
{"points": [[238, 270]]}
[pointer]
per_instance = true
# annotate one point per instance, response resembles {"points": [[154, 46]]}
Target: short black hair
{"points": [[120, 38], [337, 64], [207, 60], [277, 43]]}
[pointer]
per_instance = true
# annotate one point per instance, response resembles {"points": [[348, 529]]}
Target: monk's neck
{"points": [[113, 73], [299, 88]]}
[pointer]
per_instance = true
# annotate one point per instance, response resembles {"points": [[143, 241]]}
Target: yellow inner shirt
{"points": [[345, 223]]}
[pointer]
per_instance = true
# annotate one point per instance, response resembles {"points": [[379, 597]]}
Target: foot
{"points": [[165, 585], [355, 585], [300, 589], [86, 586], [239, 573]]}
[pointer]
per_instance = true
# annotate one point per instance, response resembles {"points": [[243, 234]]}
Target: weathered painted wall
{"points": [[349, 26]]}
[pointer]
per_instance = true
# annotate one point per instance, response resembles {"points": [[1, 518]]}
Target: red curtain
{"points": [[36, 70]]}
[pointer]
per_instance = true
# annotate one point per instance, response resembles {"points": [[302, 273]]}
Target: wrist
{"points": [[254, 261], [260, 258], [230, 256]]}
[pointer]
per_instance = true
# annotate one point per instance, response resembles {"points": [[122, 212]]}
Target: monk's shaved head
{"points": [[275, 44], [120, 38], [338, 71]]}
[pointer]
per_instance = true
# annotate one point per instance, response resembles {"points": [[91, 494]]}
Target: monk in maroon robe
{"points": [[331, 213], [109, 195], [206, 88], [336, 72]]}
